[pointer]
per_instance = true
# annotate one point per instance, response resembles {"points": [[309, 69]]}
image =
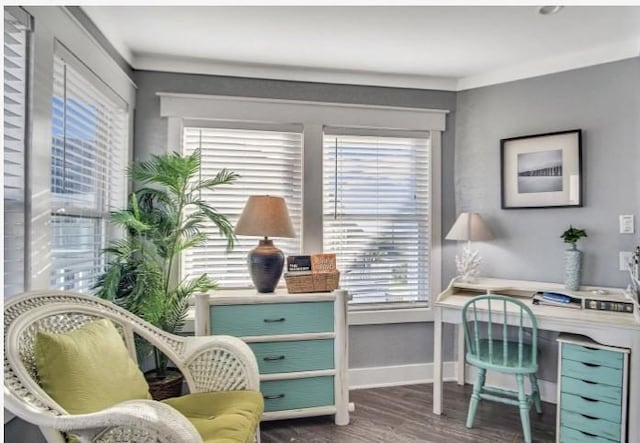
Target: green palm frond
{"points": [[224, 177], [165, 217], [220, 221]]}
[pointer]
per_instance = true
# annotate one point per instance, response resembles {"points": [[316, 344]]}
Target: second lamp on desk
{"points": [[265, 216], [470, 227]]}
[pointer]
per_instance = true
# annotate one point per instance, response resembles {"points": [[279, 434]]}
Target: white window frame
{"points": [[53, 24], [114, 179], [314, 116]]}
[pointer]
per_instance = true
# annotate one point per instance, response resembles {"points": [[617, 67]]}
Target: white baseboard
{"points": [[548, 389], [384, 376]]}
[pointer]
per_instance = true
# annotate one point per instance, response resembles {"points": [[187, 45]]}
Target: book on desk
{"points": [[571, 301]]}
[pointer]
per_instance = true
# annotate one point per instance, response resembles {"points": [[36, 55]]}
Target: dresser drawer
{"points": [[568, 435], [586, 371], [293, 356], [600, 357], [272, 318], [591, 426], [592, 408], [298, 393], [597, 391]]}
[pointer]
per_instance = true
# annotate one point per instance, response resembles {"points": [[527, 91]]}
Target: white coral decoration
{"points": [[467, 264]]}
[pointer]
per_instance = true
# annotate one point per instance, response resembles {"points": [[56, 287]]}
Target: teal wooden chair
{"points": [[489, 347]]}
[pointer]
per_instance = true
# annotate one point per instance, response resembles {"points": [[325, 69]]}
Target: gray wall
{"points": [[393, 344], [604, 101]]}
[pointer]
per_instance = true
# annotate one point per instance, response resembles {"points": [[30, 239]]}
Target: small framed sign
{"points": [[542, 171]]}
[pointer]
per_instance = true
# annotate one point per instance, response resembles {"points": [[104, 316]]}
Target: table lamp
{"points": [[470, 227], [265, 216]]}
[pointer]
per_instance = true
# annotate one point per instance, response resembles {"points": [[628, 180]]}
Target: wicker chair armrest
{"points": [[219, 363], [139, 421]]}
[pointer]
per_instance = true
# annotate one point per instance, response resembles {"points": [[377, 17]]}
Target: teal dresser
{"points": [[300, 343], [592, 391]]}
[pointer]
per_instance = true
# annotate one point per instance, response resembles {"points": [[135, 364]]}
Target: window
{"points": [[268, 162], [16, 32], [376, 215], [89, 129], [365, 191]]}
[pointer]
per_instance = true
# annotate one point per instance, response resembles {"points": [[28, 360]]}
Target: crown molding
{"points": [[582, 59], [594, 56], [153, 62]]}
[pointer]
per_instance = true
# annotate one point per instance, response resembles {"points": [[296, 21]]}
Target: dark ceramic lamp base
{"points": [[265, 266]]}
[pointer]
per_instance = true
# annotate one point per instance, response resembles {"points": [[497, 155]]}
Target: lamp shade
{"points": [[469, 226], [265, 216]]}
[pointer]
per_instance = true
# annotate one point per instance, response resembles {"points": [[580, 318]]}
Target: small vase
{"points": [[572, 268]]}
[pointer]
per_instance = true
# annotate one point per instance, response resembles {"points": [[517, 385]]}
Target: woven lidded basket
{"points": [[312, 282]]}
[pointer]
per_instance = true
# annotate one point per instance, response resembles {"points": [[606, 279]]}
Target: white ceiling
{"points": [[455, 47]]}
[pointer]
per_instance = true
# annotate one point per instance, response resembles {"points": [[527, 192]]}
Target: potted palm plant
{"points": [[165, 217]]}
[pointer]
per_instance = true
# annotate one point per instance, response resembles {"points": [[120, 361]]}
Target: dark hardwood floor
{"points": [[403, 414]]}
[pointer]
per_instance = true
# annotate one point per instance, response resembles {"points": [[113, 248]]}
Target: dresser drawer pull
{"points": [[273, 397], [588, 434], [590, 349], [274, 320], [273, 357], [588, 399], [589, 381]]}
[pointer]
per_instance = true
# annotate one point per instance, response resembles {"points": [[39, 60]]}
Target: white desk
{"points": [[614, 329]]}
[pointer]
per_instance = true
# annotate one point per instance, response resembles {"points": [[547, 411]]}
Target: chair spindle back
{"points": [[485, 308]]}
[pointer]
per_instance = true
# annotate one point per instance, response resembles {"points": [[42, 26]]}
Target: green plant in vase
{"points": [[164, 218], [573, 257]]}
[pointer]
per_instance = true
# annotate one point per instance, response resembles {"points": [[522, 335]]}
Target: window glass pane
{"points": [[87, 174], [268, 162], [15, 119], [76, 253], [376, 215]]}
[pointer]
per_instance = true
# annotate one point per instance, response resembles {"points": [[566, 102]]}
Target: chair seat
{"points": [[498, 362], [222, 417]]}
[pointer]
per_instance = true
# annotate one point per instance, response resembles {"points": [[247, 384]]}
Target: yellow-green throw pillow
{"points": [[88, 369]]}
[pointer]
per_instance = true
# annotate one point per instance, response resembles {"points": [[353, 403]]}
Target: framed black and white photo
{"points": [[542, 171]]}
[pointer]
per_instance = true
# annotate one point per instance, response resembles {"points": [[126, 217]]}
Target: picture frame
{"points": [[542, 170]]}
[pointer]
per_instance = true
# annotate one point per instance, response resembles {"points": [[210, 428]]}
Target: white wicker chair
{"points": [[215, 363]]}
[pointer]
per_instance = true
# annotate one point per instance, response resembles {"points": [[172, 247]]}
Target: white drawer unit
{"points": [[592, 391], [300, 342]]}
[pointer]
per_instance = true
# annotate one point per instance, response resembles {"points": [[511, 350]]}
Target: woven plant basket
{"points": [[314, 282], [165, 387]]}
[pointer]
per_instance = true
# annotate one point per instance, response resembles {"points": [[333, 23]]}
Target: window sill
{"points": [[380, 314]]}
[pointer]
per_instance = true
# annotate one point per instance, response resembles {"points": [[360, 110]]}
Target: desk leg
{"points": [[437, 361], [460, 364]]}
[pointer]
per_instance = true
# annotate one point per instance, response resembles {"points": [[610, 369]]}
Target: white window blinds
{"points": [[268, 162], [376, 215], [87, 171], [16, 27]]}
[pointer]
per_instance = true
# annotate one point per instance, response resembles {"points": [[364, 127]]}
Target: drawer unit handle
{"points": [[591, 349], [588, 434], [589, 417], [274, 320], [273, 397], [589, 381], [273, 357], [588, 399], [591, 365]]}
